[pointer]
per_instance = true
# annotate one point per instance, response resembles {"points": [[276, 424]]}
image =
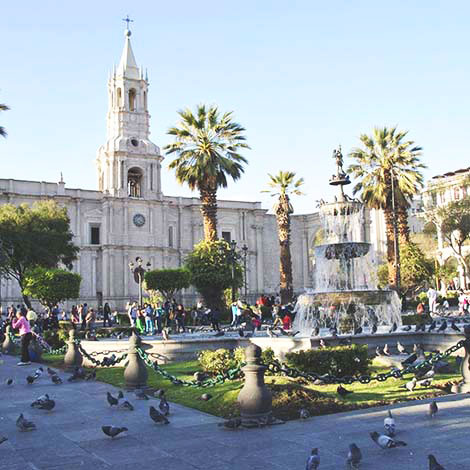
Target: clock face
{"points": [[139, 220]]}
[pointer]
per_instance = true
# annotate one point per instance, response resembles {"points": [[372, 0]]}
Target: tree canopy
{"points": [[51, 286], [167, 281], [31, 236]]}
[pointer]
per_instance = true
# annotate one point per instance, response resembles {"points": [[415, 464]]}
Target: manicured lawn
{"points": [[289, 395]]}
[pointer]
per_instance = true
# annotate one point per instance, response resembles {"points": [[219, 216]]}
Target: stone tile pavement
{"points": [[70, 436]]}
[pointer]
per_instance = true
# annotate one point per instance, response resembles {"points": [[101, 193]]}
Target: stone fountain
{"points": [[345, 291]]}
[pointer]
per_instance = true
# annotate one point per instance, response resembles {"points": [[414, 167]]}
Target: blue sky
{"points": [[301, 76]]}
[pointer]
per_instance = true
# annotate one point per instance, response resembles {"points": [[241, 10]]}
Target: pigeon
{"points": [[393, 328], [455, 328], [316, 331], [165, 334], [443, 326], [140, 394], [30, 379], [389, 424], [56, 379], [341, 391], [434, 464], [432, 326], [313, 462], [425, 373], [424, 383], [374, 329], [410, 386], [24, 425], [378, 351], [78, 374], [91, 375], [161, 393], [358, 331], [164, 407], [43, 404], [113, 431], [38, 372], [401, 349], [406, 328], [205, 397], [323, 343], [271, 333], [385, 442], [385, 350], [233, 423], [120, 395], [51, 372], [9, 382], [111, 400], [304, 413], [3, 439], [354, 456], [157, 416], [241, 332], [125, 405], [433, 409]]}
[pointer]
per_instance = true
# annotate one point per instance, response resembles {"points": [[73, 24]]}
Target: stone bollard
{"points": [[464, 385], [35, 350], [255, 399], [8, 346], [73, 357], [135, 373]]}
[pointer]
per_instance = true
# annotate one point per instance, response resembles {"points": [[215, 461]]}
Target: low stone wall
{"points": [[188, 349]]}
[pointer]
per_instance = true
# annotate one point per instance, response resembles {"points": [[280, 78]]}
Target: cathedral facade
{"points": [[129, 216]]}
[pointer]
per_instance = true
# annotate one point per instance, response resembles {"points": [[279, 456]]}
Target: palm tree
{"points": [[3, 132], [282, 185], [207, 145], [388, 164]]}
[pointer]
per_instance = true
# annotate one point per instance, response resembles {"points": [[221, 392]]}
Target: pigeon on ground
{"points": [[43, 403], [56, 379], [125, 405], [455, 327], [164, 407], [432, 326], [3, 439], [443, 326], [113, 431], [410, 359], [91, 375], [24, 425], [354, 456], [120, 395], [378, 351], [38, 372], [157, 416], [406, 328], [385, 351], [161, 393], [410, 386], [341, 391], [374, 329], [30, 379], [401, 349], [434, 464], [78, 374], [393, 328], [425, 383], [358, 331], [9, 382], [313, 462], [140, 394], [389, 424], [433, 409], [425, 374], [111, 400], [205, 397], [233, 423], [304, 413], [385, 442], [51, 372]]}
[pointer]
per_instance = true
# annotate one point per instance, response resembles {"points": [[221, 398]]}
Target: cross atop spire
{"points": [[127, 20], [127, 65]]}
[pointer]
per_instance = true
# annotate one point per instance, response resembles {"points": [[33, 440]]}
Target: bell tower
{"points": [[129, 164]]}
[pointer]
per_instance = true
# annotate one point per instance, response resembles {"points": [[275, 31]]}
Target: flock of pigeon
{"points": [[384, 440]]}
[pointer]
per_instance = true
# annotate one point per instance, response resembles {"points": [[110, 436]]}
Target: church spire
{"points": [[128, 65]]}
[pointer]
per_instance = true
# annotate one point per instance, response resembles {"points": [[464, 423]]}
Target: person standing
{"points": [[84, 315], [234, 309], [148, 312], [22, 323], [214, 317], [158, 314], [107, 315], [432, 298], [179, 318], [90, 320]]}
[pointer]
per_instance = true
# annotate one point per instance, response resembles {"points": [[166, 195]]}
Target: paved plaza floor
{"points": [[70, 437]]}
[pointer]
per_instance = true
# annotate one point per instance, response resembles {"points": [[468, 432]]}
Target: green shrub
{"points": [[216, 362], [123, 319], [346, 324], [51, 337], [415, 319], [267, 355], [422, 297], [339, 361]]}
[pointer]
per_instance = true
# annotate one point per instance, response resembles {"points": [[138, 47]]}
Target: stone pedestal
{"points": [[135, 374], [464, 385], [73, 358], [8, 346], [255, 398]]}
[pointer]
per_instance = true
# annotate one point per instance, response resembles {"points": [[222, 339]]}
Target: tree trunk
{"points": [[390, 246], [209, 213], [283, 211], [403, 227]]}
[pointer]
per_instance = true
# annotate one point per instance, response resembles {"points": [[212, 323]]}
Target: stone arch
{"points": [[135, 182], [132, 99]]}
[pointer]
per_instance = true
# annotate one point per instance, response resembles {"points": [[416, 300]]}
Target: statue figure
{"points": [[338, 156]]}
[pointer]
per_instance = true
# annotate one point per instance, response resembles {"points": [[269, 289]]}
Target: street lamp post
{"points": [[245, 254], [233, 258], [139, 271], [396, 248]]}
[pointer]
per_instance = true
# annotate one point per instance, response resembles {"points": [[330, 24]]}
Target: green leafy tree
{"points": [[32, 236], [207, 146], [3, 132], [51, 286], [167, 281], [210, 266], [282, 186]]}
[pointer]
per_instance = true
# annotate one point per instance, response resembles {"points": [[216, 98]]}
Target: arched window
{"points": [[119, 98], [135, 178], [145, 101], [170, 236], [132, 99]]}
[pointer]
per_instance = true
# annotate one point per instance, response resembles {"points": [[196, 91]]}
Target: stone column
{"points": [[73, 357]]}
